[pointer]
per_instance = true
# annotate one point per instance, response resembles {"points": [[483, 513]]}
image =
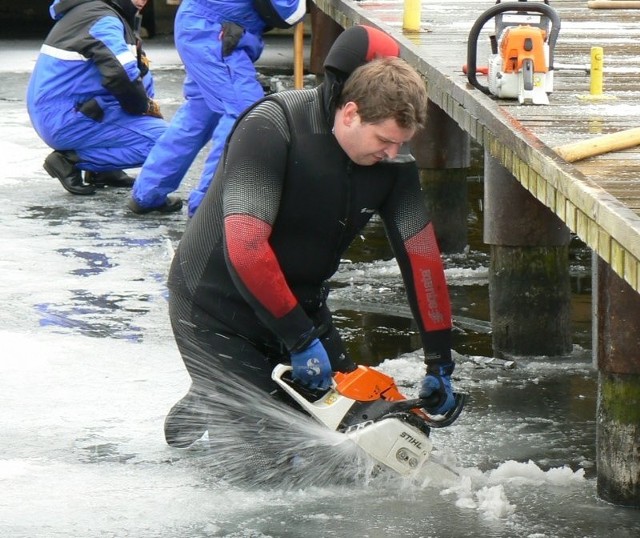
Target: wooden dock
{"points": [[598, 198]]}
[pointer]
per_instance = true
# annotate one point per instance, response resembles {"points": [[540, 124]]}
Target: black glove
{"points": [[143, 64], [230, 36], [143, 61]]}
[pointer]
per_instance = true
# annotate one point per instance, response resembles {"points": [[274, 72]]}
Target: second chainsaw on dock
{"points": [[522, 49]]}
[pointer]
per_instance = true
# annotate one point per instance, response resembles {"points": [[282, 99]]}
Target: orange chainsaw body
{"points": [[520, 43], [365, 384]]}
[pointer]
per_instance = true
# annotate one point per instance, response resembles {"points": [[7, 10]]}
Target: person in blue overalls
{"points": [[218, 42], [90, 96]]}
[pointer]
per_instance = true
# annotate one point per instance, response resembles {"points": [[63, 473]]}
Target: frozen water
{"points": [[83, 455]]}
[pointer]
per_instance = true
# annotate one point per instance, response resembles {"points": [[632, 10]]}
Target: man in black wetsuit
{"points": [[302, 173]]}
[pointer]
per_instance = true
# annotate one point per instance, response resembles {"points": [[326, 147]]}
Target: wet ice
{"points": [[83, 447]]}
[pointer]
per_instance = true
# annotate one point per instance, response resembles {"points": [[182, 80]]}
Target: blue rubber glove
{"points": [[311, 366], [437, 388]]}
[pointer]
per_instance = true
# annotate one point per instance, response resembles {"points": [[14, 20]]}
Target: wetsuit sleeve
{"points": [[413, 240], [118, 64], [255, 168]]}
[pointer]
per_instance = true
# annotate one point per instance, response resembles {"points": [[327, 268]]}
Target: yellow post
{"points": [[597, 62], [298, 56], [411, 15]]}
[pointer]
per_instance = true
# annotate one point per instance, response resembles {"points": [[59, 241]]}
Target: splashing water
{"points": [[255, 440]]}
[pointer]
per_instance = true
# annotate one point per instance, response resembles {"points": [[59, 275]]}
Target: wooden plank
{"points": [[631, 270], [576, 151], [593, 236], [604, 245], [613, 4]]}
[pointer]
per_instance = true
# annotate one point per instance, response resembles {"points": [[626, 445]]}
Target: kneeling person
{"points": [[90, 96]]}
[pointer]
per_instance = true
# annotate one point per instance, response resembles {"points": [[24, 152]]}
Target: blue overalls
{"points": [[217, 90], [90, 51]]}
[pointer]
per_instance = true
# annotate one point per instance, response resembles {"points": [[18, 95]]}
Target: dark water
{"points": [[468, 287]]}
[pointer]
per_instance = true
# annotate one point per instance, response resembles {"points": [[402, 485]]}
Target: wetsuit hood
{"points": [[354, 47]]}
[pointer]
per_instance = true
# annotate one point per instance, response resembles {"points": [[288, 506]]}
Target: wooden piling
{"points": [[617, 347], [298, 56], [446, 198], [324, 31], [443, 154], [529, 281], [530, 298], [158, 18]]}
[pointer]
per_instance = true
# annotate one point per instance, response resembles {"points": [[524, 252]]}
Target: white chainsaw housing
{"points": [[390, 441], [394, 443], [527, 86]]}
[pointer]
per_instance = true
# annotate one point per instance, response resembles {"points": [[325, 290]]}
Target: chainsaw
{"points": [[522, 50], [368, 408]]}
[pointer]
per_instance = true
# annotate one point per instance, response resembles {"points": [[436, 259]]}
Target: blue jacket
{"points": [[256, 16], [91, 53]]}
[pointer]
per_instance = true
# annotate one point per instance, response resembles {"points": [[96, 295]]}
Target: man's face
{"points": [[139, 3], [368, 143]]}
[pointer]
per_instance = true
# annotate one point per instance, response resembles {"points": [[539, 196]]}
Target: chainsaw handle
{"points": [[472, 42], [460, 399]]}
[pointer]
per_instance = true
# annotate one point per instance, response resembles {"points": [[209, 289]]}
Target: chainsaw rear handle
{"points": [[521, 6], [447, 419]]}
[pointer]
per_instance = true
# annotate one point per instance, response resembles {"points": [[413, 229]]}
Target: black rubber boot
{"points": [[62, 165], [171, 205], [186, 422], [116, 178]]}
